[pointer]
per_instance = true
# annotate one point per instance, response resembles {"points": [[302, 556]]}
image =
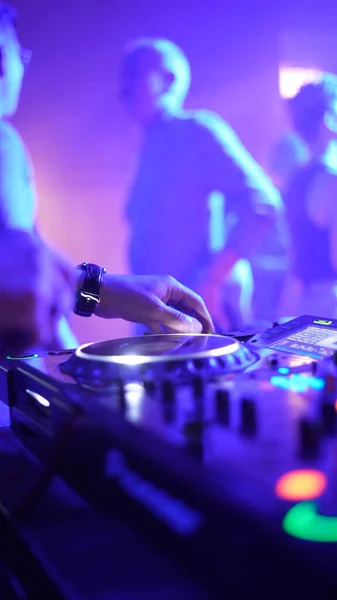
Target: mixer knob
{"points": [[198, 392], [190, 366], [329, 420], [121, 396], [172, 366], [248, 417], [213, 366], [198, 386], [149, 386], [169, 404], [222, 406], [194, 433], [220, 362], [168, 390], [229, 363], [199, 363], [310, 435]]}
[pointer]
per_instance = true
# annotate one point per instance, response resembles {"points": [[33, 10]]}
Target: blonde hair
{"points": [[172, 59]]}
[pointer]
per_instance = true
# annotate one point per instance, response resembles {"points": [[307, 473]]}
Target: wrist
{"points": [[88, 294], [80, 277]]}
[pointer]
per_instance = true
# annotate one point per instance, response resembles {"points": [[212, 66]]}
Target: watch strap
{"points": [[88, 296]]}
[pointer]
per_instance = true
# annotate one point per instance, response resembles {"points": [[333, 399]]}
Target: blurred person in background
{"points": [[194, 178], [288, 153], [310, 197], [18, 201]]}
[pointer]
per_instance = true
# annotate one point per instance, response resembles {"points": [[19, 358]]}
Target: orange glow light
{"points": [[303, 484], [336, 405]]}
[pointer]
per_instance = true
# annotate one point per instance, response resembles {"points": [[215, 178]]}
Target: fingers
{"points": [[176, 320], [187, 301], [154, 328]]}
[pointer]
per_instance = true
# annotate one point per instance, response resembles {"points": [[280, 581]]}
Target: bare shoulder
{"points": [[8, 133], [10, 141], [215, 125]]}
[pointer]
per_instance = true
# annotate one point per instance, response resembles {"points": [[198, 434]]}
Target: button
{"points": [[198, 386], [222, 406], [304, 484], [248, 417], [310, 435], [304, 522]]}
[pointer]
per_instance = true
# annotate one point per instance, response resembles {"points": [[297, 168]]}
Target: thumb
{"points": [[177, 320]]}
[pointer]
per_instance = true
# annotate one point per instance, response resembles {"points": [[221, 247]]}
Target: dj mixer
{"points": [[222, 449]]}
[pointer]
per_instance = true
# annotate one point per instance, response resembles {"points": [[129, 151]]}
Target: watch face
{"points": [[86, 303]]}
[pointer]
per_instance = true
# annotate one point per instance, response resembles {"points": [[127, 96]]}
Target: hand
{"points": [[37, 287], [155, 301]]}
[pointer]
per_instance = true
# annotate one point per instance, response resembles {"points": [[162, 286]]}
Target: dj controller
{"points": [[221, 449]]}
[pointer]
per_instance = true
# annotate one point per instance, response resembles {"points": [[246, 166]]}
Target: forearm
{"points": [[221, 265], [242, 243]]}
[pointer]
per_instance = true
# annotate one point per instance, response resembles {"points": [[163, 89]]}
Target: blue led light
{"points": [[297, 382], [316, 384], [284, 370], [279, 381]]}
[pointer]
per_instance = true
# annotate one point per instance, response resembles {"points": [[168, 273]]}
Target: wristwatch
{"points": [[88, 296]]}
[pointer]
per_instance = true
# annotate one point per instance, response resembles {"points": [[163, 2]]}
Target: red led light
{"points": [[304, 484]]}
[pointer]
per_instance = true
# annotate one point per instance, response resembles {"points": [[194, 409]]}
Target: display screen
{"points": [[314, 341]]}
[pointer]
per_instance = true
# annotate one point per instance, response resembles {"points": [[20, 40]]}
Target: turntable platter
{"points": [[102, 363], [159, 348]]}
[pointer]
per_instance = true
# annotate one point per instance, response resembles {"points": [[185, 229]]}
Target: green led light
{"points": [[22, 357], [302, 521], [322, 322]]}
